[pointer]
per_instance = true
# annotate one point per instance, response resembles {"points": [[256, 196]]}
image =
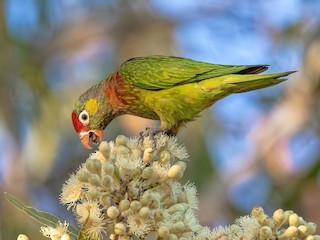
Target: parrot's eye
{"points": [[84, 117]]}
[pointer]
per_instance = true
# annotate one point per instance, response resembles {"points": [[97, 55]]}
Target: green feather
{"points": [[183, 103], [163, 72]]}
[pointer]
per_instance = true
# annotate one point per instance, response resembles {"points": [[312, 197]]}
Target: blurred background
{"points": [[257, 148]]}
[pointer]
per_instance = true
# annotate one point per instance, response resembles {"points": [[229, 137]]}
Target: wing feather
{"points": [[162, 72]]}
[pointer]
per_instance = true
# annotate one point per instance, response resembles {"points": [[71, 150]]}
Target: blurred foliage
{"points": [[256, 148]]}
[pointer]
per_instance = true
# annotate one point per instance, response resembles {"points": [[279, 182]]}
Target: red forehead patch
{"points": [[76, 123]]}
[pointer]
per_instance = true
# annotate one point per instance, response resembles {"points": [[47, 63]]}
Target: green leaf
{"points": [[43, 218]]}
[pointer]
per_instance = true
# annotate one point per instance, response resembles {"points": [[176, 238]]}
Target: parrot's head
{"points": [[90, 116]]}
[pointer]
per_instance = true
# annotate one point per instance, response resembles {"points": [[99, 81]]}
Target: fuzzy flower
{"points": [[89, 215], [138, 225], [282, 225], [71, 191], [128, 190], [55, 233]]}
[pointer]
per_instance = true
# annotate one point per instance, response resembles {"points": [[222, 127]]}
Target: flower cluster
{"points": [[282, 225], [127, 189]]}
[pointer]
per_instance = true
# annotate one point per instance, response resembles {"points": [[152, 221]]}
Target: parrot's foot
{"points": [[151, 133]]}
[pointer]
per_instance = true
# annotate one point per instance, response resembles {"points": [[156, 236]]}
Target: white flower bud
{"points": [[182, 164], [83, 175], [144, 212], [107, 181], [113, 236], [65, 237], [294, 220], [177, 207], [177, 227], [178, 216], [147, 155], [124, 205], [302, 221], [120, 228], [146, 198], [163, 232], [94, 179], [151, 199], [312, 227], [264, 219], [104, 148], [174, 171], [286, 217], [155, 204], [133, 192], [265, 232], [93, 193], [135, 206], [123, 150], [156, 196], [256, 211], [22, 237], [173, 237], [278, 216], [113, 212], [136, 173], [93, 165], [290, 232], [147, 173], [121, 140], [158, 215], [106, 201], [303, 231], [164, 156], [108, 168]]}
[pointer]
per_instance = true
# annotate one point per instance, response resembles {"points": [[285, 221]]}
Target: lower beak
{"points": [[91, 136]]}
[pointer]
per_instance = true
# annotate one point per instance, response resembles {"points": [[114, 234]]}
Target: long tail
{"points": [[220, 87], [237, 83]]}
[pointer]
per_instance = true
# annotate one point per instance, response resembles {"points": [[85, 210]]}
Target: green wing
{"points": [[162, 72]]}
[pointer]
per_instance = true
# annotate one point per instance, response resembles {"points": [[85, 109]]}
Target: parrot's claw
{"points": [[149, 132]]}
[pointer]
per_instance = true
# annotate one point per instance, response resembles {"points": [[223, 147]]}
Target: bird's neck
{"points": [[118, 93]]}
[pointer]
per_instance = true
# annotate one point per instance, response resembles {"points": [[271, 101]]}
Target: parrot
{"points": [[171, 89]]}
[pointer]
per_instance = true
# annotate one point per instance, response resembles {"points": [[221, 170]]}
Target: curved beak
{"points": [[90, 136]]}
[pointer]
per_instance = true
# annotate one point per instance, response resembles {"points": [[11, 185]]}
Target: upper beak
{"points": [[90, 136]]}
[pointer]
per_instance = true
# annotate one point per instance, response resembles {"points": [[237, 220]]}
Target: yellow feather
{"points": [[92, 106]]}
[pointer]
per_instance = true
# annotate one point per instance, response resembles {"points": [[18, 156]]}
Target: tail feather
{"points": [[236, 83], [254, 69]]}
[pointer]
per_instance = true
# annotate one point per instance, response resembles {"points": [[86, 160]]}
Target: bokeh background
{"points": [[257, 148]]}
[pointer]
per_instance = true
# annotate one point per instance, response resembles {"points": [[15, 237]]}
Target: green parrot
{"points": [[171, 89]]}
